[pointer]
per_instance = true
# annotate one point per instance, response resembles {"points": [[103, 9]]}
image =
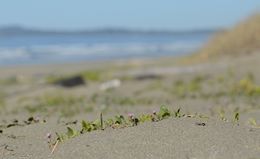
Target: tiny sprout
{"points": [[237, 116], [48, 136], [177, 113], [131, 115], [101, 121], [252, 121], [119, 121], [164, 112]]}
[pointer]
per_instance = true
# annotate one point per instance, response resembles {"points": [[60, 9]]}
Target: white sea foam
{"points": [[95, 51]]}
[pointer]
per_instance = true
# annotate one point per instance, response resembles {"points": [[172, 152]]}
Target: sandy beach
{"points": [[208, 94], [130, 79]]}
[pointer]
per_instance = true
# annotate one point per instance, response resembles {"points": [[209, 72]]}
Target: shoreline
{"points": [[84, 65]]}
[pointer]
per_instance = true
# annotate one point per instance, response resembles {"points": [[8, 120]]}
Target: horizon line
{"points": [[105, 29]]}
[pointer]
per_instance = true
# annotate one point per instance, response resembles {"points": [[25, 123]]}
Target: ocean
{"points": [[63, 48]]}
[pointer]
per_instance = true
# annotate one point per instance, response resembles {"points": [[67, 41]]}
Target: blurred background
{"points": [[67, 58], [33, 32]]}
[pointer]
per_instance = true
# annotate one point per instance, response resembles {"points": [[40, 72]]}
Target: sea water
{"points": [[60, 48]]}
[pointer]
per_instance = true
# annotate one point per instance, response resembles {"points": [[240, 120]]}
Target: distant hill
{"points": [[20, 31], [244, 38]]}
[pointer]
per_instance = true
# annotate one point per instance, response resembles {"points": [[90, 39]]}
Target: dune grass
{"points": [[244, 38]]}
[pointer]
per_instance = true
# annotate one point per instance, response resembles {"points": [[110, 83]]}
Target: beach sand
{"points": [[207, 90]]}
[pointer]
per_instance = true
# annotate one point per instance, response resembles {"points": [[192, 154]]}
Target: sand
{"points": [[170, 138]]}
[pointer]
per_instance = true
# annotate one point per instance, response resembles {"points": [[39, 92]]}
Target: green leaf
{"points": [[86, 126], [109, 122], [144, 118], [71, 132], [236, 117], [164, 112], [119, 119], [177, 113], [252, 122], [60, 137]]}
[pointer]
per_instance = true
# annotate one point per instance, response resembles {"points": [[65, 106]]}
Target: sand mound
{"points": [[172, 138]]}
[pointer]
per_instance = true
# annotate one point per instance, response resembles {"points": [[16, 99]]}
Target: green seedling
{"points": [[145, 117], [133, 120], [222, 115], [109, 122], [164, 113], [96, 124], [236, 117], [101, 121], [71, 132], [177, 113], [61, 137], [89, 126], [86, 126], [119, 119], [252, 122]]}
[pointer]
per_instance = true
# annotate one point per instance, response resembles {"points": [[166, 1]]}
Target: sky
{"points": [[133, 14]]}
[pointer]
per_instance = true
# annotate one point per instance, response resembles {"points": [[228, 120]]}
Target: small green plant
{"points": [[146, 117], [222, 115], [86, 126], [101, 121], [253, 123], [119, 121], [177, 113], [164, 113], [236, 117], [71, 132]]}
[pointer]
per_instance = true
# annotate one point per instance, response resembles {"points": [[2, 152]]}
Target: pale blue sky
{"points": [[134, 14]]}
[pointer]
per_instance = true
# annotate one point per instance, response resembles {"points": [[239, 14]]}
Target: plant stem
{"points": [[54, 147], [101, 121]]}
